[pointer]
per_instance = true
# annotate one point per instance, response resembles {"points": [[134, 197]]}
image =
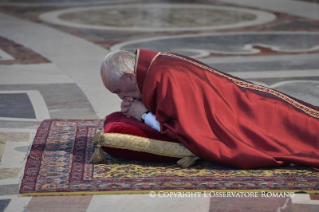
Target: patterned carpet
{"points": [[58, 164]]}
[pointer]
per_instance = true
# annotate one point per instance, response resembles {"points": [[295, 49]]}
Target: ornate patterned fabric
{"points": [[58, 164]]}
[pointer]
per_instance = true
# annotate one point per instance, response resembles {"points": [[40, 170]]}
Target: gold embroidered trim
{"points": [[136, 60], [243, 84], [153, 61], [141, 144], [135, 69]]}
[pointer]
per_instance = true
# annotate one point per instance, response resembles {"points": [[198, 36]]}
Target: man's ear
{"points": [[130, 76]]}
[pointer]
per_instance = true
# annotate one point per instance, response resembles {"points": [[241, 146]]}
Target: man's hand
{"points": [[133, 108]]}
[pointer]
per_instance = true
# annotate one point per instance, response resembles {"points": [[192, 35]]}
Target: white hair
{"points": [[116, 64]]}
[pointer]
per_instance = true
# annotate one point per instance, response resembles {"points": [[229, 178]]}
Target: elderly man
{"points": [[218, 117]]}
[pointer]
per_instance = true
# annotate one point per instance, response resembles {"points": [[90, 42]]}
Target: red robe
{"points": [[224, 119]]}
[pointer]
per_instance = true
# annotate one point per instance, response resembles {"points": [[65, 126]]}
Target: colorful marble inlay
{"points": [[227, 44], [12, 52], [158, 17]]}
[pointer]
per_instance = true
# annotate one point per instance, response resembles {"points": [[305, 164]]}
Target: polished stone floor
{"points": [[51, 51]]}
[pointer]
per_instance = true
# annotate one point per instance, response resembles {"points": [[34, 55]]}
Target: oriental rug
{"points": [[58, 164]]}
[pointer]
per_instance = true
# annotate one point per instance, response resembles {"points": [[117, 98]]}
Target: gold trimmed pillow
{"points": [[128, 138]]}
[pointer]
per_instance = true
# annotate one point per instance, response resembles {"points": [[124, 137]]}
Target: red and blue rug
{"points": [[58, 164]]}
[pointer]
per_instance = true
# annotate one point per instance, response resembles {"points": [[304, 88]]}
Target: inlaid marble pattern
{"points": [[9, 173], [14, 155], [3, 204], [53, 204], [11, 137], [22, 106], [165, 17], [307, 91], [12, 52], [298, 8], [306, 199], [229, 43], [299, 24], [14, 136], [287, 63], [16, 105], [262, 204], [157, 17], [5, 56], [8, 189], [63, 100]]}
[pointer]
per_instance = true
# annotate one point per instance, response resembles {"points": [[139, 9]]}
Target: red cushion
{"points": [[118, 123]]}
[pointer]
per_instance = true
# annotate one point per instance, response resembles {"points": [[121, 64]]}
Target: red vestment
{"points": [[224, 119]]}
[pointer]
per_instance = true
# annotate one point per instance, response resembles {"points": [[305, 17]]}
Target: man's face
{"points": [[126, 87]]}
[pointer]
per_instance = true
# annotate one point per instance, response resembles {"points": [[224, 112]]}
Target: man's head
{"points": [[117, 72]]}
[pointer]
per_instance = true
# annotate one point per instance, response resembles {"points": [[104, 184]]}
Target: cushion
{"points": [[131, 139]]}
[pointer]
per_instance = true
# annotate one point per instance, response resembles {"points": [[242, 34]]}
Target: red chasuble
{"points": [[224, 119]]}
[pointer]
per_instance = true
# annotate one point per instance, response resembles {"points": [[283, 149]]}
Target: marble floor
{"points": [[51, 51]]}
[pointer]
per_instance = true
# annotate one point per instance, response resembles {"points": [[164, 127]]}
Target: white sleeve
{"points": [[151, 121]]}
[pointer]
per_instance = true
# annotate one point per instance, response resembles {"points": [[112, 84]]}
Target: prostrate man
{"points": [[218, 117]]}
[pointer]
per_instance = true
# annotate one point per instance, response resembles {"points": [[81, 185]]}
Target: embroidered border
{"points": [[312, 112], [159, 53], [135, 68]]}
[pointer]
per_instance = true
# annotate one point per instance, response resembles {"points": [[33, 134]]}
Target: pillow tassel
{"points": [[98, 156], [97, 136], [187, 161]]}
